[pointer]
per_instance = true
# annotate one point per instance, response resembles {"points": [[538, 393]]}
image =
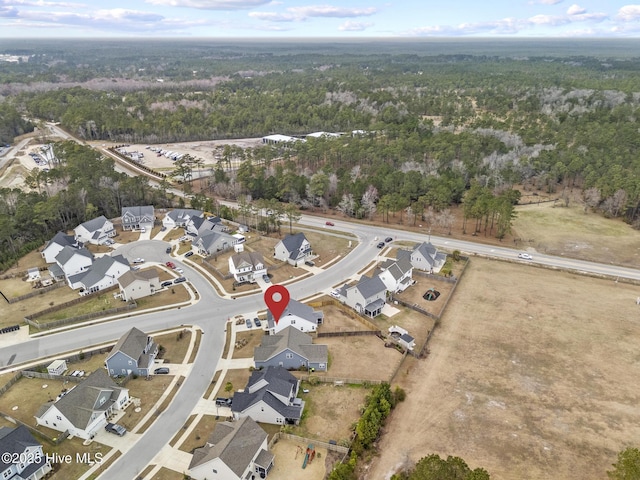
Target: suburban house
{"points": [[234, 451], [211, 242], [247, 266], [199, 225], [18, 443], [85, 409], [57, 367], [56, 244], [179, 217], [297, 315], [397, 276], [424, 256], [134, 285], [134, 353], [270, 397], [291, 349], [104, 273], [367, 297], [95, 231], [135, 218], [294, 249], [74, 260]]}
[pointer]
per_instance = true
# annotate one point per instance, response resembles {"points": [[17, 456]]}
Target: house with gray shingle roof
{"points": [[294, 249], [104, 273], [397, 276], [19, 443], [234, 451], [367, 297], [135, 218], [270, 397], [179, 217], [290, 349], [134, 353], [56, 244], [95, 231], [74, 260], [134, 285], [85, 409], [424, 256], [200, 225], [247, 266], [296, 315], [211, 242]]}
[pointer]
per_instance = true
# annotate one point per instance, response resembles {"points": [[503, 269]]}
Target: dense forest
{"points": [[425, 125]]}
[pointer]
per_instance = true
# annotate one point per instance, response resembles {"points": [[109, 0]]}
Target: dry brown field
{"points": [[529, 376]]}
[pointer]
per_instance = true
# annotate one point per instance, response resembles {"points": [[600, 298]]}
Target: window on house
{"points": [[59, 417], [289, 355]]}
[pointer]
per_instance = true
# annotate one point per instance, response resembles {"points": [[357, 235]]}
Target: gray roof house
{"points": [[84, 409], [367, 297], [424, 256], [234, 451], [74, 260], [104, 273], [297, 315], [290, 349], [270, 397], [138, 217], [134, 353], [200, 225], [247, 266], [134, 285], [397, 276], [56, 244], [293, 249], [19, 443], [178, 217], [95, 231], [211, 242]]}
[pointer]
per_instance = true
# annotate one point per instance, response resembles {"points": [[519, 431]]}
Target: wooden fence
{"points": [[354, 333], [80, 318], [38, 433], [306, 441], [36, 292]]}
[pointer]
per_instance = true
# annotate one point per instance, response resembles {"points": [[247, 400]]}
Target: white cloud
{"points": [[274, 17], [629, 13], [300, 14], [211, 4], [548, 20], [575, 10], [40, 3], [545, 2], [350, 26]]}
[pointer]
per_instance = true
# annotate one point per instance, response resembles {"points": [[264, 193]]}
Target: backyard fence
{"points": [[38, 433], [306, 441], [36, 292]]}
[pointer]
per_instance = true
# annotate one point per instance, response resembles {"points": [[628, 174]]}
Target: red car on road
{"points": [[329, 224], [170, 265]]}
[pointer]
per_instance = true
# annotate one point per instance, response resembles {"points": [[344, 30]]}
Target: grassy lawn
{"points": [[30, 260], [183, 248], [12, 314], [163, 406], [253, 338], [175, 345], [166, 474], [196, 346], [72, 447], [28, 395], [174, 234], [199, 435], [186, 425], [103, 466], [148, 391], [238, 379], [327, 247]]}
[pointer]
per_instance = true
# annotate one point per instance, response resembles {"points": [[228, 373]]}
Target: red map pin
{"points": [[277, 298]]}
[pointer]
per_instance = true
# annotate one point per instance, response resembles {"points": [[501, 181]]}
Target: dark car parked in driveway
{"points": [[188, 254], [257, 322], [180, 280], [224, 402], [161, 371], [115, 429], [168, 283]]}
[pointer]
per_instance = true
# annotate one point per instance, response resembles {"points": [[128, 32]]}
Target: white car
{"points": [[138, 260], [180, 271], [525, 256], [335, 294]]}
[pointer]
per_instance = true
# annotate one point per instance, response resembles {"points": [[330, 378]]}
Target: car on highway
{"points": [[168, 283], [115, 429], [161, 371], [188, 254], [525, 256], [329, 224], [170, 265], [380, 245], [179, 280], [248, 323], [257, 322]]}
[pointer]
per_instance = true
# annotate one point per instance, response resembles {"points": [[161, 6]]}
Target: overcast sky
{"points": [[307, 18]]}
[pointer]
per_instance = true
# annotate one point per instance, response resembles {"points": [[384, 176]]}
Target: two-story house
{"points": [[294, 249], [136, 218], [397, 276], [211, 242], [18, 443], [56, 244], [95, 231], [71, 262], [104, 273], [179, 217], [296, 315], [247, 266], [367, 297], [291, 349], [134, 353], [84, 409], [270, 397], [424, 256], [134, 285]]}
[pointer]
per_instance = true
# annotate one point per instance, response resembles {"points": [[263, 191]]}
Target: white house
{"points": [[296, 315], [211, 242], [247, 266], [57, 367], [234, 451], [367, 297], [74, 260], [179, 217], [270, 397], [397, 276], [84, 410], [134, 218], [134, 285], [95, 231], [424, 256], [18, 443], [200, 225], [56, 244], [104, 273], [294, 249]]}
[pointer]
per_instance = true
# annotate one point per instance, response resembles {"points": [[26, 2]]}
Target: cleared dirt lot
{"points": [[529, 376]]}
